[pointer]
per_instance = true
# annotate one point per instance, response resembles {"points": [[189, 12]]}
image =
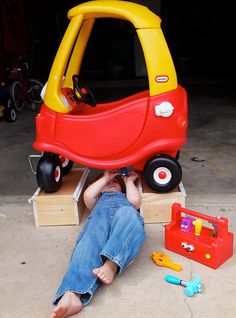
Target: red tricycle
{"points": [[144, 131]]}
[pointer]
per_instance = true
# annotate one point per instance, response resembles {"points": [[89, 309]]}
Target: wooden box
{"points": [[156, 207], [64, 207]]}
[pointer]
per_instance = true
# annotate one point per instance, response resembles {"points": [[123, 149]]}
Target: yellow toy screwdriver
{"points": [[198, 227]]}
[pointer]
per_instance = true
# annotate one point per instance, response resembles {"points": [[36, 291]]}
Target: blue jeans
{"points": [[114, 230]]}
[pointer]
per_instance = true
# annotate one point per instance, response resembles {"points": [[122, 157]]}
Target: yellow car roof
{"points": [[160, 68], [141, 17]]}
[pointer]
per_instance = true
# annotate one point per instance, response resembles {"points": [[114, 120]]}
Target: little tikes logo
{"points": [[162, 79]]}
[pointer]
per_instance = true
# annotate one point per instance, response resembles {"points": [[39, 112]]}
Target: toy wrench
{"points": [[162, 259]]}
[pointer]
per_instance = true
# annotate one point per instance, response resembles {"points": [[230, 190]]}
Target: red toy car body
{"points": [[145, 130], [116, 134]]}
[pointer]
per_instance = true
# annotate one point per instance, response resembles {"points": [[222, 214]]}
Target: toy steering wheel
{"points": [[86, 95]]}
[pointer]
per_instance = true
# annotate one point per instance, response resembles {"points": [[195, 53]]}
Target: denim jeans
{"points": [[114, 230]]}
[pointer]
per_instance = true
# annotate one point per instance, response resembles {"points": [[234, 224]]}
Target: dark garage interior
{"points": [[199, 34]]}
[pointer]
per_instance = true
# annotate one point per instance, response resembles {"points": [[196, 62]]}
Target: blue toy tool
{"points": [[190, 289], [124, 172]]}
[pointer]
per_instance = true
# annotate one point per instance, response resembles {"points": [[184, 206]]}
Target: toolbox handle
{"points": [[222, 222]]}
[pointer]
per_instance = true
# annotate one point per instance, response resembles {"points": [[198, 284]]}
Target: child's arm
{"points": [[132, 193], [91, 194]]}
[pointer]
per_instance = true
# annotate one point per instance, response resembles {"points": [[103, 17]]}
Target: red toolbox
{"points": [[210, 246]]}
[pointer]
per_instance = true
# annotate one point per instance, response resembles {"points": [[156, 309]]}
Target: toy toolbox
{"points": [[209, 248]]}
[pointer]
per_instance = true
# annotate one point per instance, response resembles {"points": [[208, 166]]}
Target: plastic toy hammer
{"points": [[190, 289]]}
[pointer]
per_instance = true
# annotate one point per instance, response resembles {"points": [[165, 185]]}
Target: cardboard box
{"points": [[64, 207], [156, 207]]}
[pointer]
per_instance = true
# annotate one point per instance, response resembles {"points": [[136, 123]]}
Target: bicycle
{"points": [[24, 90]]}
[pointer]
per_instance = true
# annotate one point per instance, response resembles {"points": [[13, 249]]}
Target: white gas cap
{"points": [[165, 109]]}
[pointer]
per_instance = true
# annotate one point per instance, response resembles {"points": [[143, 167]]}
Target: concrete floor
{"points": [[33, 260]]}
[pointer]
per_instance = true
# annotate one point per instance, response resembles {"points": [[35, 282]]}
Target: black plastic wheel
{"points": [[66, 164], [162, 173], [10, 111], [49, 173]]}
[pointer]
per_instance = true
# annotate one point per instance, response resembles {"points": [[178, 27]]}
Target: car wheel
{"points": [[49, 173], [66, 164], [162, 173], [177, 155], [10, 112]]}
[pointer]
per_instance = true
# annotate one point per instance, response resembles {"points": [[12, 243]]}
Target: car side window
{"points": [[114, 53]]}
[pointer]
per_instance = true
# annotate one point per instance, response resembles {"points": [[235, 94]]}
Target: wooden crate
{"points": [[64, 207], [156, 207]]}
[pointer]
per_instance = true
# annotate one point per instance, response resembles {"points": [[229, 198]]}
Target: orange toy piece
{"points": [[162, 259]]}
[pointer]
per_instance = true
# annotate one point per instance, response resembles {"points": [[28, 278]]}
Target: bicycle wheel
{"points": [[17, 94], [34, 90]]}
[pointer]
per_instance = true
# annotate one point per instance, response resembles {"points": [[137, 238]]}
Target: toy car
{"points": [[144, 131]]}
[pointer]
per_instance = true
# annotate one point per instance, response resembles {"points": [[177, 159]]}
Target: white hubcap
{"points": [[57, 173], [162, 175], [64, 161]]}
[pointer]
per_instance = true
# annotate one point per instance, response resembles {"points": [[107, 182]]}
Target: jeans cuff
{"points": [[85, 297], [113, 259]]}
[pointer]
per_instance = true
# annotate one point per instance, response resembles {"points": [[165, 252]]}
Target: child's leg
{"points": [[86, 256], [126, 237]]}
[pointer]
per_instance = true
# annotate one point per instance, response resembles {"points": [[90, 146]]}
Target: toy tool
{"points": [[187, 224], [198, 227], [124, 172], [162, 259], [191, 288], [211, 246]]}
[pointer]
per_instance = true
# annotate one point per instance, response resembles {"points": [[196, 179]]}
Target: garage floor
{"points": [[33, 260]]}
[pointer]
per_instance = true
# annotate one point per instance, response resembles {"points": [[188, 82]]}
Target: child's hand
{"points": [[132, 176], [110, 174]]}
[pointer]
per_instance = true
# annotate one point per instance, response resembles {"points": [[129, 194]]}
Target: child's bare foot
{"points": [[68, 305], [106, 272]]}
